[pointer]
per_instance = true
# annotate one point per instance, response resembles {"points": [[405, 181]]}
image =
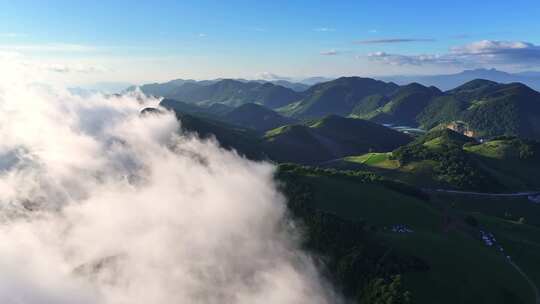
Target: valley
{"points": [[344, 155]]}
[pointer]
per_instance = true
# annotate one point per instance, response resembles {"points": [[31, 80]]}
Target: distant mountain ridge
{"points": [[339, 96], [226, 91], [485, 108], [480, 108], [308, 142], [450, 81]]}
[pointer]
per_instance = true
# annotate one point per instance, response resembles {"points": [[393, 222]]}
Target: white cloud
{"points": [[394, 40], [270, 76], [73, 68], [499, 51], [324, 29], [101, 205], [485, 52], [396, 59], [52, 47], [491, 47]]}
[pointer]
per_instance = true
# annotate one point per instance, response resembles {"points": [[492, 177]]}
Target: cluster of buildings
{"points": [[401, 229], [490, 241], [488, 238]]}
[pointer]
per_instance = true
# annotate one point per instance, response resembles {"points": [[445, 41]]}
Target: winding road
{"points": [[531, 283], [515, 194], [527, 194]]}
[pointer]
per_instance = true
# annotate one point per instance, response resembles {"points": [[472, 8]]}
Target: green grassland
{"points": [[515, 222], [461, 268], [377, 160], [504, 159], [419, 173], [329, 138], [507, 164]]}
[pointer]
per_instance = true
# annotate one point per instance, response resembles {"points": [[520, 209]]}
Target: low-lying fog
{"points": [[99, 204]]}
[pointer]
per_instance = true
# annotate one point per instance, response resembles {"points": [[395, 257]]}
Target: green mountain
{"points": [[311, 142], [511, 109], [450, 107], [227, 91], [183, 107], [296, 86], [405, 105], [450, 160], [473, 89], [378, 234], [162, 89], [339, 96], [257, 117], [235, 93], [488, 109], [230, 136], [219, 109], [329, 138], [482, 108], [378, 237], [369, 104], [513, 162], [244, 141]]}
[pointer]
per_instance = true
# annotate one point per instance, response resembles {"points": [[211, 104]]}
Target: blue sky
{"points": [[154, 41]]}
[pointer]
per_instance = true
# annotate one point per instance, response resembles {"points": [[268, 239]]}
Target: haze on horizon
{"points": [[78, 43], [418, 182]]}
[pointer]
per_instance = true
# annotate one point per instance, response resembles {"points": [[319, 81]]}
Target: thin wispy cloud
{"points": [[329, 53], [373, 31], [12, 35], [394, 40], [73, 68], [484, 52], [55, 47], [324, 29], [270, 76], [202, 35], [417, 60]]}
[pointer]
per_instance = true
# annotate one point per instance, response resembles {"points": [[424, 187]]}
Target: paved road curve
{"points": [[515, 194], [531, 283]]}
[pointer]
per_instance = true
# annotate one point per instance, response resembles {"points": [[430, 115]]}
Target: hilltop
{"points": [[450, 81], [230, 92], [449, 160], [338, 96], [329, 138], [257, 117]]}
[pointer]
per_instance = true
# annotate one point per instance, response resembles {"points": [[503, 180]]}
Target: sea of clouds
{"points": [[99, 204]]}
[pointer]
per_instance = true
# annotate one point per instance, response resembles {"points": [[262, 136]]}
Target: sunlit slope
{"points": [[446, 159], [330, 138]]}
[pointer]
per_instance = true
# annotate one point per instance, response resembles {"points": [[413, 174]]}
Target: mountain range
{"points": [[479, 108], [450, 81], [365, 193]]}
